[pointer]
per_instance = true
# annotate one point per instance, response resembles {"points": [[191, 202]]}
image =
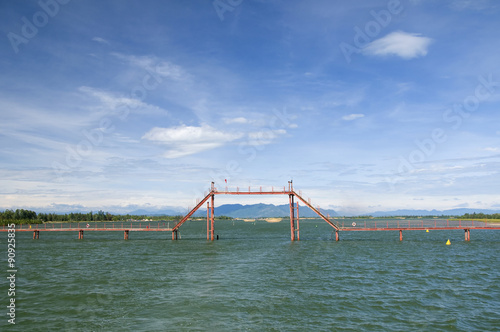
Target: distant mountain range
{"points": [[270, 210], [261, 211]]}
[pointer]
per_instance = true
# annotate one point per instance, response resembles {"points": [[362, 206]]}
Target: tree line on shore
{"points": [[481, 216], [21, 216]]}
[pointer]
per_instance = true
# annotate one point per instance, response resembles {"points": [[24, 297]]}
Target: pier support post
{"points": [[292, 217], [174, 235], [400, 235], [467, 234], [337, 235], [297, 226], [212, 217], [80, 234], [208, 221], [36, 235], [125, 234]]}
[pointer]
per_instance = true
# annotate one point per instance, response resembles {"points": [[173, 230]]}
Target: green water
{"points": [[254, 278]]}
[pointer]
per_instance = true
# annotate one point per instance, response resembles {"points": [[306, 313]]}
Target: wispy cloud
{"points": [[352, 117], [239, 120], [264, 137], [473, 4], [186, 140], [403, 44], [160, 67], [100, 40], [110, 102]]}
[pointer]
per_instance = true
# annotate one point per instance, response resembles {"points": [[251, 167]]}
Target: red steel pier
{"points": [[338, 225], [82, 227]]}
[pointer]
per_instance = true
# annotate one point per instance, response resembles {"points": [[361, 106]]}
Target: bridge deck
{"points": [[413, 224], [102, 227], [366, 225], [417, 228]]}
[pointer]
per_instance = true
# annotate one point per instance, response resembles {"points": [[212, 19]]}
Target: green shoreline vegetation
{"points": [[21, 216]]}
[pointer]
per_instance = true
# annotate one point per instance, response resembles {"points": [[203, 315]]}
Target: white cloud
{"points": [[100, 40], [186, 140], [120, 105], [168, 69], [109, 100], [239, 120], [155, 65], [352, 117], [264, 137], [399, 43], [472, 4]]}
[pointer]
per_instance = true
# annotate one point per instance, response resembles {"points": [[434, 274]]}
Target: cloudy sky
{"points": [[366, 105]]}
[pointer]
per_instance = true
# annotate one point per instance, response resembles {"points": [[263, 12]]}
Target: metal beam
{"points": [[316, 210]]}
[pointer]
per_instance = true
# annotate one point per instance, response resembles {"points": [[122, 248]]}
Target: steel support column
{"points": [[212, 217], [208, 221], [292, 218], [298, 228]]}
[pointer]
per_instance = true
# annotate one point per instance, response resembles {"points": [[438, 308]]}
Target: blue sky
{"points": [[366, 105]]}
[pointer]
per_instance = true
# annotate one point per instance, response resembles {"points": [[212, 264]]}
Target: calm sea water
{"points": [[254, 278]]}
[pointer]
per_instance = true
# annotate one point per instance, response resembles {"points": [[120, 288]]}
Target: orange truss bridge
{"points": [[338, 225], [294, 209], [394, 225]]}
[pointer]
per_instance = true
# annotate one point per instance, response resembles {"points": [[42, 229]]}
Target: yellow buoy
{"points": [[427, 231], [448, 242]]}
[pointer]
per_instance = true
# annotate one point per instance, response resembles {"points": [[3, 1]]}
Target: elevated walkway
{"points": [[294, 209]]}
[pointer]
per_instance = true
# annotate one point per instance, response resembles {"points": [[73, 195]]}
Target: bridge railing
{"points": [[250, 189], [353, 224], [129, 225]]}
